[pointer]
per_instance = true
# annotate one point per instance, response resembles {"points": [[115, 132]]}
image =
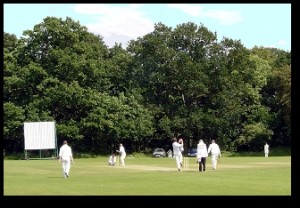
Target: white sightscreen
{"points": [[39, 135]]}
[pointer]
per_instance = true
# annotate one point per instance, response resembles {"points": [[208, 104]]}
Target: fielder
{"points": [[66, 157], [215, 152]]}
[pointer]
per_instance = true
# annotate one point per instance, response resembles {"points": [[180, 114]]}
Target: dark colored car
{"points": [[159, 152], [192, 152]]}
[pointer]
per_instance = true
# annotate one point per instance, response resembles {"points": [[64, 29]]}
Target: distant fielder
{"points": [[66, 157], [266, 149]]}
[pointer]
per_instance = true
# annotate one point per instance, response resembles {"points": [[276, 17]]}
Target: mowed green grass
{"points": [[149, 176]]}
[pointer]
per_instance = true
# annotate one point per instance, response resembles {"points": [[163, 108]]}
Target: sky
{"points": [[266, 25]]}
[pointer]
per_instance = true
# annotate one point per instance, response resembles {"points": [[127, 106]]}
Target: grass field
{"points": [[149, 176]]}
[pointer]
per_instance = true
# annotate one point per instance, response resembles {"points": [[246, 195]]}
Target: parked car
{"points": [[159, 152], [192, 152]]}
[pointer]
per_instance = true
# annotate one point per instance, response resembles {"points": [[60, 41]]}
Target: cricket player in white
{"points": [[266, 149], [112, 160], [181, 149], [123, 154], [176, 151], [201, 155], [214, 149], [66, 157]]}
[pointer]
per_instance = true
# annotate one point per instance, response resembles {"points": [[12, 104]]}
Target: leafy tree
{"points": [[58, 71], [10, 41], [276, 95], [168, 82], [12, 126], [253, 137], [201, 88]]}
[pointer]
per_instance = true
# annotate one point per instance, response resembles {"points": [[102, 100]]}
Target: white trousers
{"points": [[66, 165], [178, 161], [180, 157], [122, 158], [214, 161]]}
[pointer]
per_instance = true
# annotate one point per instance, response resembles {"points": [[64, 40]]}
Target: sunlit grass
{"points": [[149, 176]]}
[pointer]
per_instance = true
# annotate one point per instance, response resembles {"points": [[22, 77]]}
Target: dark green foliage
{"points": [[166, 83]]}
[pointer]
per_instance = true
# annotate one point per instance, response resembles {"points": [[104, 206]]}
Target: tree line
{"points": [[172, 81]]}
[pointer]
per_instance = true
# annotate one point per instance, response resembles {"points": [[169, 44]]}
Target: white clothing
{"points": [[112, 160], [180, 156], [201, 150], [65, 152], [176, 148], [177, 153], [170, 153], [65, 156], [215, 151], [181, 149], [214, 161], [123, 155], [266, 149]]}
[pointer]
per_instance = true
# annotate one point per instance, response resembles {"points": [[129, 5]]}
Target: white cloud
{"points": [[225, 17], [115, 22], [191, 9], [282, 42], [124, 22]]}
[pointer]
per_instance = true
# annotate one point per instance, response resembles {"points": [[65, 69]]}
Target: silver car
{"points": [[159, 152]]}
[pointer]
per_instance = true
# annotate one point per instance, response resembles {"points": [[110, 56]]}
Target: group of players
{"points": [[66, 156], [202, 153]]}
